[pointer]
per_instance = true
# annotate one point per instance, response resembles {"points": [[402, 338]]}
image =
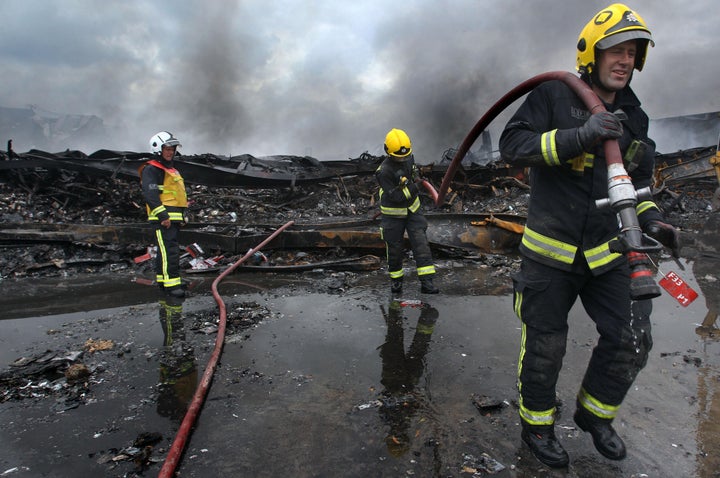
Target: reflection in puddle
{"points": [[178, 368], [708, 387], [401, 373]]}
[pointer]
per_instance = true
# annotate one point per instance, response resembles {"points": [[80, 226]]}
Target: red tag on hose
{"points": [[678, 288]]}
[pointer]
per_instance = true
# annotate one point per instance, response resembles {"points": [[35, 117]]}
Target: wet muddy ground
{"points": [[322, 374]]}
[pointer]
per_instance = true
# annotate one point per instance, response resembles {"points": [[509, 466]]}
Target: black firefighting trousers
{"points": [[392, 229], [543, 297], [167, 260]]}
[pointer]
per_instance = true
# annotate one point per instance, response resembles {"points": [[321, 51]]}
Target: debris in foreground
{"points": [[482, 464]]}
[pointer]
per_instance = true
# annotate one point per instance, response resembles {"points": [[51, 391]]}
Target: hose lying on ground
{"points": [[173, 458]]}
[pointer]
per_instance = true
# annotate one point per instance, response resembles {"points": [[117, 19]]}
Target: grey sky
{"points": [[323, 78]]}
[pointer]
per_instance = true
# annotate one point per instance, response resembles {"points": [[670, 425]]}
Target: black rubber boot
{"points": [[605, 439], [396, 286], [427, 287], [545, 446]]}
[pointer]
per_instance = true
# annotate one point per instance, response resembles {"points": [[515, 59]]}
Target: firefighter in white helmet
{"points": [[166, 201], [566, 245], [400, 208]]}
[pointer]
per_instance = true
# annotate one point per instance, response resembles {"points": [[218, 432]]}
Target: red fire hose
{"points": [[578, 86], [622, 195], [173, 458], [430, 189]]}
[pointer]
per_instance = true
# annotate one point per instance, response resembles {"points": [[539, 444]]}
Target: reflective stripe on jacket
{"points": [[565, 182], [564, 253], [396, 200]]}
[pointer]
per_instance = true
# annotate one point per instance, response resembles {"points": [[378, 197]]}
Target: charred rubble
{"points": [[70, 366], [43, 195], [49, 191]]}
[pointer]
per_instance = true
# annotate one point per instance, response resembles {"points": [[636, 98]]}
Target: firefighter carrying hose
{"points": [[566, 244], [166, 200], [400, 208]]}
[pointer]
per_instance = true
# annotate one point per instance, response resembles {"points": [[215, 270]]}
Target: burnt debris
{"points": [[71, 212]]}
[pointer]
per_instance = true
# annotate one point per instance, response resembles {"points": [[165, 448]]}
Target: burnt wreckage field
{"points": [[58, 194], [66, 220], [72, 189]]}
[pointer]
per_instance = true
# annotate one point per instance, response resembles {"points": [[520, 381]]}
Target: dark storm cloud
{"points": [[322, 78]]}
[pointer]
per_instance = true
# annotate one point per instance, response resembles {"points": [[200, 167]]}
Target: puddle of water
{"points": [[351, 384], [359, 385]]}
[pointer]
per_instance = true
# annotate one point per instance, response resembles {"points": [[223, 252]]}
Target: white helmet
{"points": [[163, 138]]}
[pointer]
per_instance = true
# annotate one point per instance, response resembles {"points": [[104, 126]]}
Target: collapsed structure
{"points": [[70, 209]]}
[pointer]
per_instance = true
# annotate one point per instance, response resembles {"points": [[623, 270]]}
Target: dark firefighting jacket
{"points": [[563, 220], [164, 191], [395, 199]]}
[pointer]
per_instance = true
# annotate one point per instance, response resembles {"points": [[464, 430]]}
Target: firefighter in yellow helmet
{"points": [[566, 243], [400, 211], [166, 201]]}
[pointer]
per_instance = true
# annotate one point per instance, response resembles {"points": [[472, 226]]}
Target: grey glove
{"points": [[600, 126], [667, 235]]}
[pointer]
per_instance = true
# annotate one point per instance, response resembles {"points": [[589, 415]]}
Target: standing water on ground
{"points": [[342, 381]]}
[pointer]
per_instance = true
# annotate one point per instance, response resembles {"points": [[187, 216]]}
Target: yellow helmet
{"points": [[610, 26], [397, 143]]}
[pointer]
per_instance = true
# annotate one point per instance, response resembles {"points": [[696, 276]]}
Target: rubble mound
{"points": [[60, 196]]}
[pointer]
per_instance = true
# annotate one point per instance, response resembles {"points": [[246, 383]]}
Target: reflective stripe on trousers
{"points": [[167, 261], [393, 231], [542, 299]]}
